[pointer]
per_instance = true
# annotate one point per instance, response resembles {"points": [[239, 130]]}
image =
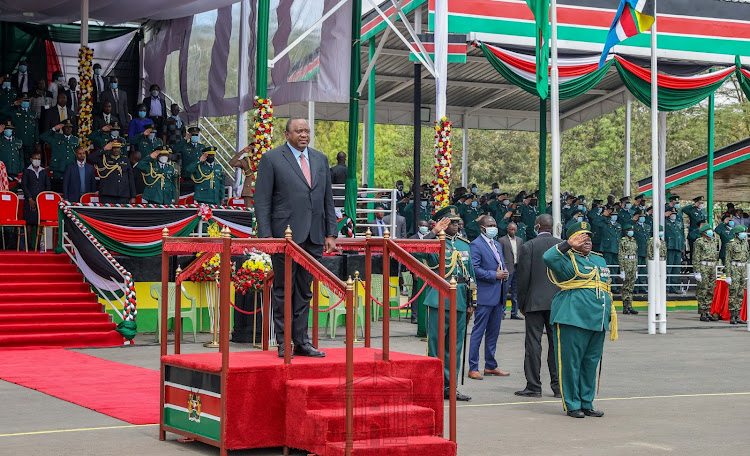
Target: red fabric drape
{"points": [[131, 235], [53, 62], [566, 70], [676, 82], [720, 304]]}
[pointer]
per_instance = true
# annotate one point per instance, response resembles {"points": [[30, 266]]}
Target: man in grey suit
{"points": [[535, 293], [294, 189], [511, 251], [400, 232]]}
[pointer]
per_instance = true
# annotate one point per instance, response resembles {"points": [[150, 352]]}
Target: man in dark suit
{"points": [[60, 113], [119, 100], [99, 86], [156, 109], [22, 80], [338, 177], [106, 117], [294, 190], [491, 272], [72, 95], [511, 250], [79, 177], [535, 293]]}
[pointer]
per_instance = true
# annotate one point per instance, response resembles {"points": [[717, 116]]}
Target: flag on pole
{"points": [[632, 17], [540, 8]]}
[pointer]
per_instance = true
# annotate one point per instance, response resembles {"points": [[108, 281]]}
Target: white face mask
{"points": [[36, 163], [163, 159]]}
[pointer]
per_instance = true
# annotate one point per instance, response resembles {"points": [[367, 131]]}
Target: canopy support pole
{"points": [[261, 43], [371, 118], [350, 202], [441, 57], [628, 118], [241, 141], [84, 22], [710, 160], [542, 184], [465, 153], [555, 94], [311, 121]]}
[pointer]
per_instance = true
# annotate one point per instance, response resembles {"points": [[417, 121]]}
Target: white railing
{"points": [[367, 200]]}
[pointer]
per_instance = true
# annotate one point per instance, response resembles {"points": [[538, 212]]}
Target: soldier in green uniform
{"points": [[512, 217], [7, 95], [116, 180], [724, 231], [11, 151], [596, 219], [662, 249], [674, 236], [208, 177], [695, 212], [26, 124], [735, 269], [581, 313], [705, 257], [576, 217], [626, 208], [502, 207], [695, 234], [610, 231], [63, 151], [425, 213], [642, 231], [471, 213], [107, 134], [159, 175], [628, 257], [190, 149], [147, 142], [457, 264], [566, 210], [529, 212]]}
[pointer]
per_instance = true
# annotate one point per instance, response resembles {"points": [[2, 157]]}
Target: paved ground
{"points": [[682, 393]]}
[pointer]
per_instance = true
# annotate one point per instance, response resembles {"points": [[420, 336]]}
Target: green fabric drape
{"points": [[741, 78], [350, 192], [71, 33], [570, 89], [128, 329], [669, 99], [135, 251], [542, 152]]}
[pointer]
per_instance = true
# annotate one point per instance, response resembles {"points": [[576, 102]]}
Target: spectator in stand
{"points": [[22, 80], [57, 85], [100, 85], [119, 100], [338, 177], [140, 123], [105, 117], [156, 109], [174, 128], [27, 127], [79, 177], [7, 95], [40, 100], [34, 181], [72, 95], [60, 113]]}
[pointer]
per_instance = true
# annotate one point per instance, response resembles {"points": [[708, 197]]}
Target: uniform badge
{"points": [[194, 407]]}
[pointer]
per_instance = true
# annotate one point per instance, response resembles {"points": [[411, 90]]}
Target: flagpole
{"points": [[555, 124], [653, 278]]}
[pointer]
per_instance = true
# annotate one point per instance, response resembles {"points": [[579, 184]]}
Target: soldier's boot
{"points": [[711, 317], [703, 316], [632, 311], [740, 321], [625, 308], [733, 318]]}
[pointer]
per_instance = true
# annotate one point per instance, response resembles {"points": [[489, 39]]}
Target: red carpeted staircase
{"points": [[386, 421], [44, 301]]}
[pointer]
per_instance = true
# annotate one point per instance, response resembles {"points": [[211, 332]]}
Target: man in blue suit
{"points": [[78, 178], [491, 275]]}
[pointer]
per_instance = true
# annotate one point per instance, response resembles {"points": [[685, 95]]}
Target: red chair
{"points": [[139, 198], [237, 202], [47, 205], [9, 217], [92, 197]]}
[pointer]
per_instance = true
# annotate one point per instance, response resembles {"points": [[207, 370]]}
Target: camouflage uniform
{"points": [[705, 257], [628, 257], [736, 259], [650, 250]]}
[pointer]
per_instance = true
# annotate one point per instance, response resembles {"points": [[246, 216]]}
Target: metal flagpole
{"points": [[555, 124], [241, 141], [653, 279], [628, 130], [441, 57], [465, 152], [710, 160]]}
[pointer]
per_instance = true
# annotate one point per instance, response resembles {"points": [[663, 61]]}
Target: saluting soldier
{"points": [[242, 161], [576, 217], [26, 124], [471, 213], [628, 257], [11, 151], [611, 232], [581, 313], [501, 207], [7, 94], [208, 178], [116, 180], [695, 212], [566, 212], [642, 231], [187, 151], [705, 257], [596, 219], [147, 142], [159, 176], [457, 264], [106, 134], [674, 237], [425, 213], [529, 212], [626, 208], [725, 232], [63, 151], [735, 269]]}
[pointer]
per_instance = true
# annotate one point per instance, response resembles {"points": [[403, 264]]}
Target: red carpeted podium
{"points": [[398, 405]]}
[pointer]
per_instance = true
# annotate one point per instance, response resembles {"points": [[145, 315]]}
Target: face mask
{"points": [[163, 159], [536, 230], [154, 93], [599, 211], [614, 218], [474, 204], [731, 223], [113, 85], [628, 206], [474, 190], [6, 85], [194, 139], [141, 114], [630, 233], [580, 219], [676, 205], [151, 135], [35, 163], [641, 219], [710, 233], [423, 230], [700, 207], [424, 203], [400, 188], [8, 133], [672, 217], [580, 207], [742, 236], [661, 234], [506, 202], [114, 133], [491, 232], [496, 191], [25, 105], [22, 68], [61, 79], [98, 71], [176, 116], [210, 159]]}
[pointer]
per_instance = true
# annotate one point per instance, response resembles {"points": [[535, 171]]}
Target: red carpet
{"points": [[44, 302], [125, 392]]}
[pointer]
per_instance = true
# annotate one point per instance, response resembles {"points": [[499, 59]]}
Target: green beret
{"points": [[115, 126], [674, 198], [627, 226], [8, 125], [194, 130], [577, 228], [67, 123], [738, 229], [581, 197], [450, 212], [704, 228], [467, 196]]}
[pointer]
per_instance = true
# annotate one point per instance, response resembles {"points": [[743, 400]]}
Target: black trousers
{"points": [[536, 324], [301, 295]]}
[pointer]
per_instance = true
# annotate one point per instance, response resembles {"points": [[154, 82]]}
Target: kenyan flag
{"points": [[192, 401]]}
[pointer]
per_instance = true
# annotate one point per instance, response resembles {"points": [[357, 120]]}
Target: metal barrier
{"points": [[366, 205]]}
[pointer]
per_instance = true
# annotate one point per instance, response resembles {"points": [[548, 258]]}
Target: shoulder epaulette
{"points": [[597, 253], [464, 239]]}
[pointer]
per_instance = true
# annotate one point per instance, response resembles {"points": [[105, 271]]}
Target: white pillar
{"points": [[465, 153], [555, 124], [441, 56], [365, 136], [653, 278], [242, 80], [311, 121], [628, 118], [84, 24]]}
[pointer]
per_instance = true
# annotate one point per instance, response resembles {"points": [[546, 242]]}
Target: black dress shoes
{"points": [[576, 414], [592, 412], [516, 317], [308, 350], [281, 351], [528, 393], [557, 394], [459, 396]]}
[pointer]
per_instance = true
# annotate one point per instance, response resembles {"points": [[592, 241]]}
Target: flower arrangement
{"points": [[263, 135], [85, 93], [251, 274], [443, 152], [209, 272]]}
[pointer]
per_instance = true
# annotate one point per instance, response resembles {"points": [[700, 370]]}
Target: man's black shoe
{"points": [[459, 396], [625, 310], [633, 311], [558, 395], [711, 317], [704, 317], [576, 414], [281, 351], [528, 393], [516, 317], [592, 412], [414, 321], [308, 350]]}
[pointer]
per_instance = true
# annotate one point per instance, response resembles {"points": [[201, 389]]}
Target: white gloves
{"points": [[729, 280], [243, 155], [698, 276], [622, 275]]}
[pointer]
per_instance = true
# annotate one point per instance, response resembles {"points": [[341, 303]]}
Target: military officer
{"points": [[695, 234], [724, 231], [705, 257], [513, 216], [674, 236], [581, 313], [457, 264], [628, 256], [502, 206], [626, 208], [566, 211], [11, 151], [662, 247], [735, 269], [63, 146], [26, 124], [116, 181], [529, 212], [147, 142], [107, 133], [576, 216], [189, 149], [642, 233], [595, 219], [425, 213], [610, 231], [159, 176], [695, 212], [7, 94], [208, 177], [471, 213]]}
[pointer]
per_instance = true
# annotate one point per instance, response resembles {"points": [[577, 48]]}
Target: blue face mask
{"points": [[97, 71], [61, 79], [8, 133], [742, 236], [6, 85], [114, 133], [423, 230], [672, 217], [151, 135], [599, 211], [628, 206], [474, 204], [424, 203], [641, 219], [25, 104], [141, 114], [677, 205], [194, 138], [491, 232], [614, 218], [630, 233], [580, 219], [710, 233], [731, 223], [113, 85], [176, 117], [474, 190], [661, 234], [581, 207], [22, 68]]}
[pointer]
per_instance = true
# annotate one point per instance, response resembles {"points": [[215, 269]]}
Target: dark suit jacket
{"points": [[70, 94], [508, 253], [120, 109], [72, 190], [490, 290], [535, 291], [99, 121], [51, 118], [401, 232], [282, 197], [15, 80], [95, 94], [32, 186]]}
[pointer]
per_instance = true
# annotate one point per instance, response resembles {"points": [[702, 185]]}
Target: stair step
{"points": [[43, 317], [32, 277], [60, 287], [33, 257], [50, 306], [25, 268], [407, 446], [390, 421], [54, 328], [327, 393], [70, 339], [33, 297]]}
